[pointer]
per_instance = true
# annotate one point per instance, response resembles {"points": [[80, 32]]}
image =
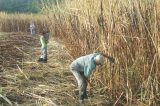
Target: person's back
{"points": [[85, 64], [85, 59]]}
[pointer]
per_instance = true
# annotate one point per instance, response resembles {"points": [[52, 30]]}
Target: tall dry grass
{"points": [[20, 22], [129, 32]]}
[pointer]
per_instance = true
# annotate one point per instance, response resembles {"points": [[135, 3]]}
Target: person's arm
{"points": [[105, 55], [87, 71], [89, 68], [88, 81], [110, 58], [42, 41]]}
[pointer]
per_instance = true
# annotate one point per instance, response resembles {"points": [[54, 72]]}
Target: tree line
{"points": [[24, 6]]}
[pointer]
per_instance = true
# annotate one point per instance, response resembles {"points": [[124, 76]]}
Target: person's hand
{"points": [[111, 59], [88, 81], [90, 86]]}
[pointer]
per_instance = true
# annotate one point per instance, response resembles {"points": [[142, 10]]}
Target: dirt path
{"points": [[40, 84]]}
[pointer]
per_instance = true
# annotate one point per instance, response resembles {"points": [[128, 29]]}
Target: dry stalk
{"points": [[46, 100], [7, 100], [118, 99], [22, 72]]}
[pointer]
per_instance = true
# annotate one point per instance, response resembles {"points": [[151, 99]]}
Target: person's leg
{"points": [[82, 85], [33, 32], [82, 89], [45, 54], [85, 90], [41, 58]]}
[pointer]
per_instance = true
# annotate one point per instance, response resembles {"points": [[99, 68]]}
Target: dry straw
{"points": [[130, 33]]}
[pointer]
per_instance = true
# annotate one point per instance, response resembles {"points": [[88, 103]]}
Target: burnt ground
{"points": [[24, 82]]}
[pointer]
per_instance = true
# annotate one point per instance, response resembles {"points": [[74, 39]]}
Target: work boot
{"points": [[44, 61], [40, 60], [85, 95], [81, 101]]}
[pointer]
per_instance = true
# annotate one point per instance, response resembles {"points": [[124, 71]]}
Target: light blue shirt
{"points": [[85, 64]]}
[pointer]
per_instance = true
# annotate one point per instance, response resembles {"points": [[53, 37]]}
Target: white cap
{"points": [[100, 59]]}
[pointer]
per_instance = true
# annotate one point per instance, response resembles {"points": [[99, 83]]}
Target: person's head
{"points": [[45, 30], [99, 59]]}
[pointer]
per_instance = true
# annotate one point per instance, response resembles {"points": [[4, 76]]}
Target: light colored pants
{"points": [[33, 32], [82, 83], [43, 52]]}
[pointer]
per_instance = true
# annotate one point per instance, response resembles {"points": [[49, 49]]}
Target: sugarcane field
{"points": [[79, 52]]}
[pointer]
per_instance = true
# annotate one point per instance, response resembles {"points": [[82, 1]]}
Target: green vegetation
{"points": [[24, 6], [19, 6]]}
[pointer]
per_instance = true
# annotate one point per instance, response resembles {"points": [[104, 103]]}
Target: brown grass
{"points": [[130, 33], [20, 22]]}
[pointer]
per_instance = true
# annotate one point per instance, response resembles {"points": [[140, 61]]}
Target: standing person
{"points": [[44, 42], [82, 68], [32, 28]]}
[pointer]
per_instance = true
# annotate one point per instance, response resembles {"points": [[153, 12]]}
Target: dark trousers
{"points": [[82, 83]]}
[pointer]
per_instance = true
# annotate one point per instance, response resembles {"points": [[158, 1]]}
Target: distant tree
{"points": [[25, 6], [21, 6], [34, 6]]}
